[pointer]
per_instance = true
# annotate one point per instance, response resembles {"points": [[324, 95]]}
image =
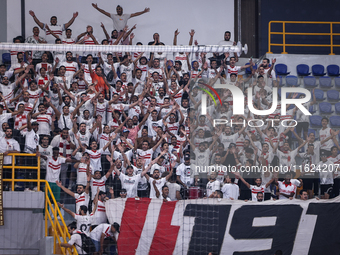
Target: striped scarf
{"points": [[61, 148], [20, 120]]}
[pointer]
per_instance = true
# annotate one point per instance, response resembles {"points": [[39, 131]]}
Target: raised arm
{"points": [[40, 24], [140, 13], [243, 180], [66, 210], [66, 190], [175, 37], [104, 30], [75, 15], [101, 10]]}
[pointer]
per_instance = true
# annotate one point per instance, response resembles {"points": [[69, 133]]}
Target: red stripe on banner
{"points": [[165, 237], [132, 224]]}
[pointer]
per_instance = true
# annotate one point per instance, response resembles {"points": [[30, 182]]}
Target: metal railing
{"points": [[284, 33], [59, 230]]}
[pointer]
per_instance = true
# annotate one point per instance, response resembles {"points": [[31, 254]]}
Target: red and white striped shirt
{"points": [[53, 168], [95, 159], [98, 183]]}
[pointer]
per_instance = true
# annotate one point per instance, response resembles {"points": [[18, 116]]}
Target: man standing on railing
{"points": [[8, 145], [53, 170]]}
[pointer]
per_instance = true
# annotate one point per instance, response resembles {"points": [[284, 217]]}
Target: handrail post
{"points": [[13, 170], [46, 212], [38, 174], [331, 32], [284, 37], [269, 36]]}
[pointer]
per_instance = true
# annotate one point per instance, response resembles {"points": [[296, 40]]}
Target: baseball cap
{"points": [[186, 157], [126, 130], [35, 123], [116, 226]]}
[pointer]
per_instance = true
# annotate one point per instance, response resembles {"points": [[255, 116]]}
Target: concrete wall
{"points": [[210, 22], [24, 223]]}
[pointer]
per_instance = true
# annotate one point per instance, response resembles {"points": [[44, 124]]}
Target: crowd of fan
{"points": [[128, 124], [131, 122]]}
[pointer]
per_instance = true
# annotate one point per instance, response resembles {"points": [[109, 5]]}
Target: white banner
{"points": [[149, 226]]}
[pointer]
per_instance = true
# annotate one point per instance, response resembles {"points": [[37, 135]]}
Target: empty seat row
{"points": [[315, 121], [303, 70], [325, 82], [332, 95]]}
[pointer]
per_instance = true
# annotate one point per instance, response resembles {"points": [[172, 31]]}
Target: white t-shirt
{"points": [[8, 145], [82, 199], [212, 187], [230, 190], [81, 174], [119, 21], [84, 222], [286, 189], [101, 229], [53, 168], [130, 183], [184, 172], [255, 189], [98, 183], [159, 184], [31, 141], [76, 241], [95, 159], [100, 214]]}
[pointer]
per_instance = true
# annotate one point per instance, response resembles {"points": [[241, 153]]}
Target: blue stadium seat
{"points": [[291, 81], [333, 70], [337, 82], [325, 82], [334, 121], [292, 106], [337, 108], [315, 121], [281, 69], [248, 71], [302, 70], [6, 58], [333, 95], [311, 109], [325, 108], [310, 82], [318, 70], [319, 95], [311, 131]]}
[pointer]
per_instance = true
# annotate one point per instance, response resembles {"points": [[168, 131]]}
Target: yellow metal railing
{"points": [[59, 230], [284, 33]]}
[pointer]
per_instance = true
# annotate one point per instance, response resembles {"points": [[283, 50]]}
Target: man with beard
{"points": [[269, 70], [7, 88], [81, 196], [119, 19], [20, 66], [102, 84], [8, 145], [4, 72], [55, 96], [71, 66], [56, 29], [66, 145], [155, 67]]}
